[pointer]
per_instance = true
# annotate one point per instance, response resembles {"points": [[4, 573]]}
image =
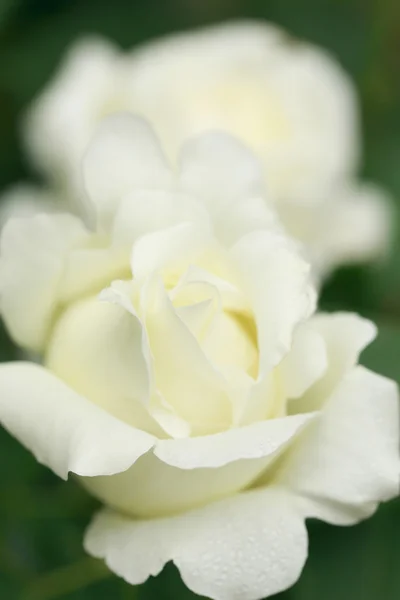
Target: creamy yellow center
{"points": [[193, 330], [242, 105]]}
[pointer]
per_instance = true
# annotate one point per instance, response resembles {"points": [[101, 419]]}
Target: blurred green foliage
{"points": [[41, 518]]}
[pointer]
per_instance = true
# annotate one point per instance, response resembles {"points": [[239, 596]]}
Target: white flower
{"points": [[291, 102], [184, 378], [288, 100], [352, 223]]}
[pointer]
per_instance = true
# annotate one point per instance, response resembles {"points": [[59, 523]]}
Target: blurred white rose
{"points": [[185, 379], [289, 101], [92, 82]]}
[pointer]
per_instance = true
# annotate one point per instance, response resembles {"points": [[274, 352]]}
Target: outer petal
{"points": [[148, 211], [65, 431], [360, 220], [169, 249], [254, 441], [349, 457], [60, 122], [219, 169], [183, 474], [98, 349], [33, 256], [123, 156], [345, 336], [353, 225], [90, 268], [244, 216], [242, 548]]}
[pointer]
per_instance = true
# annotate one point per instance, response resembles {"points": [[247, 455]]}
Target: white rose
{"points": [[184, 378], [288, 100]]}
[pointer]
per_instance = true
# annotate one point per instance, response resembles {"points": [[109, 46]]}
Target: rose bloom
{"points": [[288, 100], [184, 377]]}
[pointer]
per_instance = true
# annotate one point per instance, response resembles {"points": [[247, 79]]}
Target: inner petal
{"points": [[96, 348], [185, 377], [196, 303], [231, 341], [217, 313], [242, 103]]}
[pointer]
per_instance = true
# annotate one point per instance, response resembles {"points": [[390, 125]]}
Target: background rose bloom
{"points": [[290, 101], [197, 396]]}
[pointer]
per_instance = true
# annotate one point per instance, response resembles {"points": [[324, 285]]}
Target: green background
{"points": [[42, 519]]}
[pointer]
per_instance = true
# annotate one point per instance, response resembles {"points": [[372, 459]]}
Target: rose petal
{"points": [[306, 362], [184, 376], [99, 349], [353, 224], [244, 216], [63, 430], [277, 283], [254, 441], [232, 298], [219, 169], [34, 252], [345, 336], [172, 248], [121, 294], [88, 269], [243, 548], [124, 156], [350, 455], [143, 212], [60, 122], [151, 488]]}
